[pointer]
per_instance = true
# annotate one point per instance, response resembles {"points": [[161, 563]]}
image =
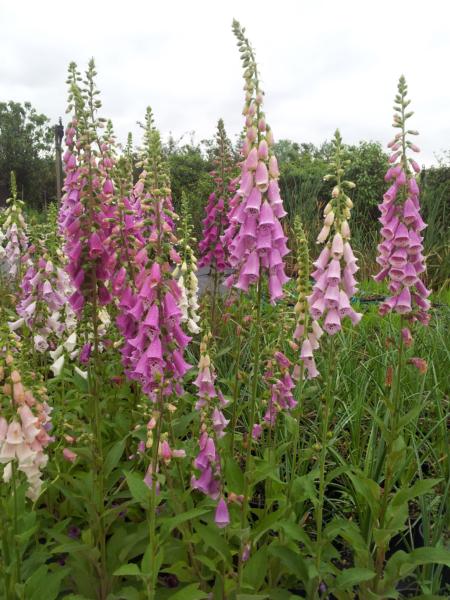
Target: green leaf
{"points": [[137, 487], [291, 561], [169, 523], [113, 457], [234, 476], [130, 569], [419, 488], [190, 592], [402, 563], [368, 491], [255, 569], [212, 538], [303, 488], [353, 576], [252, 597]]}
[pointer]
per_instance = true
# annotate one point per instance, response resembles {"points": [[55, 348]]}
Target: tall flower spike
{"points": [[212, 425], [44, 306], [336, 265], [186, 272], [255, 237], [87, 209], [25, 421], [150, 321], [15, 240], [307, 330], [400, 252], [212, 251]]}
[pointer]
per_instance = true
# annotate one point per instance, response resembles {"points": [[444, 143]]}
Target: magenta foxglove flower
{"points": [[400, 253], [87, 210], [212, 425], [150, 314], [212, 251]]}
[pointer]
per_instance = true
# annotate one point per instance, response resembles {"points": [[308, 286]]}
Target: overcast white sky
{"points": [[324, 63]]}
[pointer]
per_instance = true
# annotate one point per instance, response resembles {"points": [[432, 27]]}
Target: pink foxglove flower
{"points": [[212, 425], [25, 424], [400, 253], [44, 305], [307, 330], [255, 237], [336, 266]]}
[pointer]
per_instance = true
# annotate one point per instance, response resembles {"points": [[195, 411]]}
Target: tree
{"points": [[26, 147]]}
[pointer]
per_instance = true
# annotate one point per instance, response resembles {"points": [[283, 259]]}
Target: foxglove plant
{"points": [[255, 236], [212, 425], [150, 322], [15, 239], [257, 243], [186, 271], [402, 264], [336, 266], [307, 331], [400, 253]]}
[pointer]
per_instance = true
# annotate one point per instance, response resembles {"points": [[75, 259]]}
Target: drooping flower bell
{"points": [[336, 266], [255, 237], [400, 253]]}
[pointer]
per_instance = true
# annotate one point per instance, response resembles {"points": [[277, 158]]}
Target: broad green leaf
{"points": [[131, 569], [137, 487], [212, 538], [233, 475], [353, 576], [169, 523], [255, 569], [368, 491], [113, 457], [190, 592]]}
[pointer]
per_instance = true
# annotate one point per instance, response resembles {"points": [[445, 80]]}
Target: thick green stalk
{"points": [[395, 410], [248, 460], [326, 409]]}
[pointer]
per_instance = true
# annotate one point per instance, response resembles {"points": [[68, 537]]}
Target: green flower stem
{"points": [[248, 460], [151, 515], [326, 410], [395, 410]]}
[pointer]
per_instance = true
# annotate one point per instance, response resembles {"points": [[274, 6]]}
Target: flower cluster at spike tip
{"points": [[255, 237], [336, 266], [400, 252], [212, 251]]}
